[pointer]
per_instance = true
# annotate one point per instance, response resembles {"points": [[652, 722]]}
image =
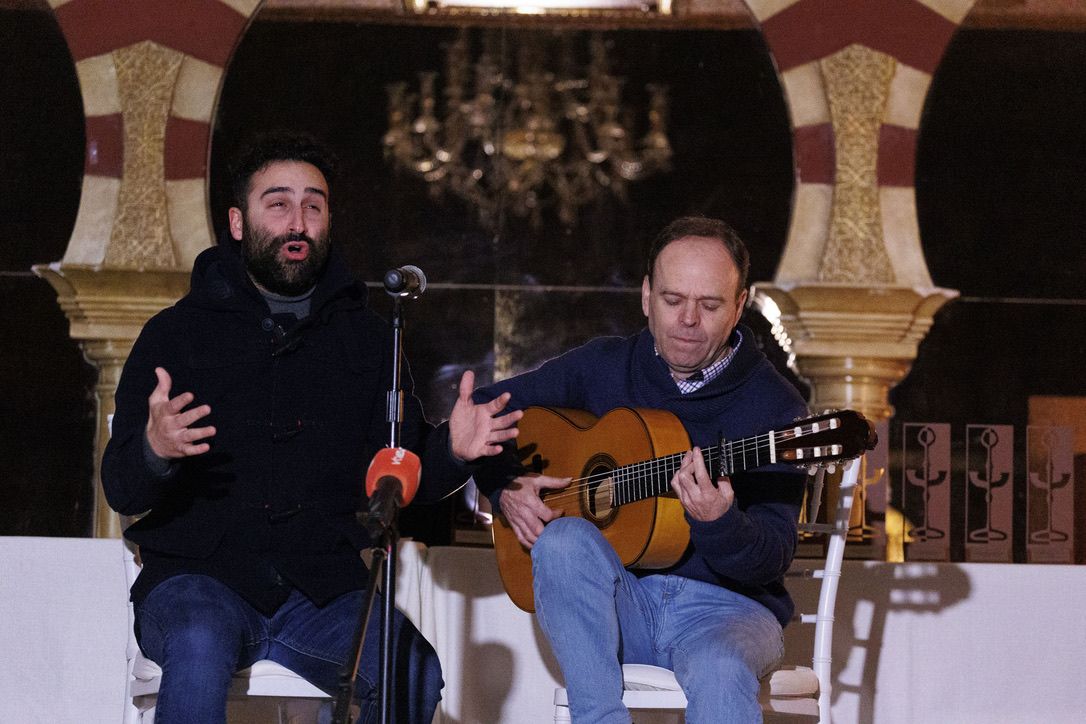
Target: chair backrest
{"points": [[836, 531], [131, 570]]}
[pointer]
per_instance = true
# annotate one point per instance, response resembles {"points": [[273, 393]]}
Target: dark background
{"points": [[1001, 180]]}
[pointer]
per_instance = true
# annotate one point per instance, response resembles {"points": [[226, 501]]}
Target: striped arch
{"points": [[803, 35], [149, 72]]}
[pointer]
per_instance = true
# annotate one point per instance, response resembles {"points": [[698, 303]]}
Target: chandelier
{"points": [[527, 140]]}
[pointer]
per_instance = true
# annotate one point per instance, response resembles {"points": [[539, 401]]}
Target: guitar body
{"points": [[650, 533], [621, 467]]}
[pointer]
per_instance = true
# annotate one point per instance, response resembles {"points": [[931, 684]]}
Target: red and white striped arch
{"points": [[205, 33], [800, 34]]}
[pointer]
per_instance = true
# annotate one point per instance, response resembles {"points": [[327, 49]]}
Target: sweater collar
{"points": [[657, 374]]}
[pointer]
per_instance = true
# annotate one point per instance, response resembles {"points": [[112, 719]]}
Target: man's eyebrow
{"points": [[669, 292], [288, 189]]}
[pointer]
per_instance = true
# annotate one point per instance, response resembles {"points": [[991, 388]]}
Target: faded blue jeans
{"points": [[598, 616], [200, 632]]}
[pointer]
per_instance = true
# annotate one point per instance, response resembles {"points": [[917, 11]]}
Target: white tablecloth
{"points": [[63, 631], [918, 642]]}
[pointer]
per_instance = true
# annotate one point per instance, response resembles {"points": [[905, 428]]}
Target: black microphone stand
{"points": [[384, 559]]}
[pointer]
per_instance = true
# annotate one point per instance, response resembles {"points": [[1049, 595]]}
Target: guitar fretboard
{"points": [[653, 477], [638, 481]]}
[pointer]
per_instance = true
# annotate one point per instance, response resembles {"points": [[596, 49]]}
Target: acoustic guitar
{"points": [[622, 464]]}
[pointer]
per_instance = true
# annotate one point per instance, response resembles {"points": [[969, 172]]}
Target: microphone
{"points": [[391, 482], [405, 281]]}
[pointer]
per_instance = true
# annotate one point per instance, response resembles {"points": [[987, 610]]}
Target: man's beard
{"points": [[260, 251]]}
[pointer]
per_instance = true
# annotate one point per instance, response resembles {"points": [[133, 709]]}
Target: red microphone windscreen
{"points": [[398, 463]]}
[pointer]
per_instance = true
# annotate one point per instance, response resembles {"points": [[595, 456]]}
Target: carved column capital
{"points": [[851, 342], [112, 303]]}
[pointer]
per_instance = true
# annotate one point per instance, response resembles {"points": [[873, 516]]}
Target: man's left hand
{"points": [[702, 499], [476, 430]]}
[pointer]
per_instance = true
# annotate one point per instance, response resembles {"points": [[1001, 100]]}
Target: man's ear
{"points": [[646, 295], [237, 222]]}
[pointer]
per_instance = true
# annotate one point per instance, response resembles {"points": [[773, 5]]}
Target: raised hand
{"points": [[523, 508], [700, 497], [475, 430], [169, 424]]}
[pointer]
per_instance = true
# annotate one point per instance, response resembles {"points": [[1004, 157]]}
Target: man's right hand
{"points": [[524, 509], [169, 424]]}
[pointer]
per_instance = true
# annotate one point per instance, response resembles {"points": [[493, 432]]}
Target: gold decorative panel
{"points": [[146, 76], [857, 82]]}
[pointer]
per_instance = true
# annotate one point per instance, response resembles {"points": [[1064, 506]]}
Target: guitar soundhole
{"points": [[597, 502]]}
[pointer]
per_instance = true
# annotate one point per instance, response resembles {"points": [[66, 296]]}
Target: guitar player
{"points": [[715, 616]]}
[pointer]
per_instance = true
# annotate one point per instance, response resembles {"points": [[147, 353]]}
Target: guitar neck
{"points": [[827, 439], [653, 477]]}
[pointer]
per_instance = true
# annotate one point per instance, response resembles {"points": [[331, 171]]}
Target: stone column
{"points": [[106, 309], [149, 88], [852, 297]]}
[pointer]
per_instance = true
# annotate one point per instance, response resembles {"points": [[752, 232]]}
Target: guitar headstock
{"points": [[827, 439]]}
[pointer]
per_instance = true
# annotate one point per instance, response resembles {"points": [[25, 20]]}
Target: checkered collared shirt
{"points": [[707, 374]]}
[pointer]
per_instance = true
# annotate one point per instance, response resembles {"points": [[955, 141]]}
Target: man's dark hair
{"points": [[268, 147], [708, 228]]}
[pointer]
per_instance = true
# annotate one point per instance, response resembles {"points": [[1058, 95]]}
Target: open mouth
{"points": [[296, 250]]}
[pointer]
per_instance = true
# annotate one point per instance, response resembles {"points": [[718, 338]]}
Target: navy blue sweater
{"points": [[751, 546]]}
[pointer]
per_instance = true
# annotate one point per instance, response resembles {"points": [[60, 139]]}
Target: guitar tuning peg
{"points": [[831, 468], [812, 469]]}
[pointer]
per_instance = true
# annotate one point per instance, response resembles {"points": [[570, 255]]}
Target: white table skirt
{"points": [[917, 642], [63, 630]]}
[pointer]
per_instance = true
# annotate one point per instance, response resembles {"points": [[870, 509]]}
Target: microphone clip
{"points": [[405, 282], [384, 507]]}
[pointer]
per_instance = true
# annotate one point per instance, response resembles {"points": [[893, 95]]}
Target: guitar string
{"points": [[668, 464]]}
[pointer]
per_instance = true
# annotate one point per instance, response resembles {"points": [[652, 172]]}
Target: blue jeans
{"points": [[598, 616], [200, 632]]}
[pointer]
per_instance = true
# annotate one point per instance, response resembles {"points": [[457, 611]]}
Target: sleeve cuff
{"points": [[159, 467]]}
